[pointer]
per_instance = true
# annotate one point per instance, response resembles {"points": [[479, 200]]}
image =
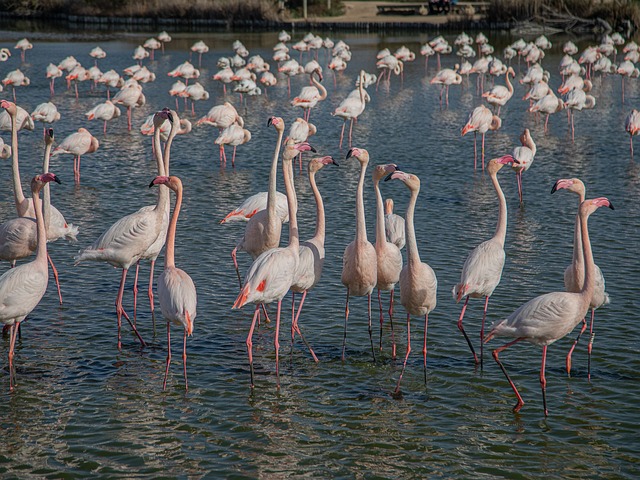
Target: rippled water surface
{"points": [[84, 408]]}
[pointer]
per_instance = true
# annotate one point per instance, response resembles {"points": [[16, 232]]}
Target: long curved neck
{"points": [[163, 195], [294, 239], [361, 90], [381, 238], [320, 222], [531, 144], [501, 228], [578, 255], [590, 269], [361, 224], [18, 194], [413, 257], [175, 126], [323, 91], [41, 231], [508, 82], [271, 194], [46, 204], [169, 256]]}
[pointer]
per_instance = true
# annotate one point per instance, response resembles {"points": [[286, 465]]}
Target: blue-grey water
{"points": [[82, 408]]}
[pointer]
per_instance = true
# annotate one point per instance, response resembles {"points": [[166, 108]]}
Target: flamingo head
{"points": [[277, 122], [411, 181], [356, 152], [591, 205], [388, 206], [318, 163], [10, 107], [39, 181], [159, 180], [506, 159], [48, 136], [574, 185], [381, 171]]}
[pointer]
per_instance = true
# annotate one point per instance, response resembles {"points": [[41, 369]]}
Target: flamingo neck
{"points": [[18, 194], [46, 203], [320, 221], [381, 238], [578, 255], [508, 82], [175, 126], [323, 91], [271, 193], [169, 256], [590, 269], [292, 203], [501, 228], [163, 194], [41, 230], [361, 224], [413, 257]]}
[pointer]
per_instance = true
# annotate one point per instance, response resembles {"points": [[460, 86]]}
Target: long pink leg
{"points": [[184, 358], [129, 118], [461, 328], [350, 130], [393, 336], [519, 179], [250, 342], [13, 334], [121, 312], [590, 346], [484, 317], [483, 151], [104, 129], [631, 144], [475, 150], [381, 316], [166, 370], [55, 276], [424, 347], [543, 380], [150, 291], [276, 343], [404, 364], [496, 352], [342, 133], [233, 158], [135, 292], [575, 342], [235, 264], [346, 317], [297, 328], [373, 352]]}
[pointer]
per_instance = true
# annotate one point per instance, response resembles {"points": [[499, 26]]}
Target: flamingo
{"points": [[359, 267], [195, 92], [22, 119], [111, 79], [5, 53], [233, 135], [272, 272], [389, 64], [176, 290], [393, 225], [500, 95], [130, 96], [23, 45], [574, 273], [300, 131], [480, 120], [290, 68], [77, 144], [163, 37], [152, 44], [548, 104], [418, 282], [310, 95], [549, 317], [127, 240], [104, 111], [632, 126], [312, 252], [185, 70], [97, 53], [46, 113], [627, 69], [256, 203], [176, 89], [16, 78], [482, 269], [224, 76], [388, 256], [577, 99], [446, 77], [522, 158], [199, 47], [144, 75], [352, 107], [22, 288], [5, 149], [53, 72]]}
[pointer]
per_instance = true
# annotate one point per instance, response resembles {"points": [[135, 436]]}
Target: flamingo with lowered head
{"points": [[480, 120], [574, 274], [22, 288], [549, 317], [482, 269], [359, 262], [418, 282], [176, 290], [632, 126], [522, 158], [77, 144]]}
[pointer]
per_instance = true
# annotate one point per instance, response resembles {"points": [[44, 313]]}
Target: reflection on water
{"points": [[84, 408]]}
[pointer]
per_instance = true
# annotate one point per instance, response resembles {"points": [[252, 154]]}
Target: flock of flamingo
{"points": [[297, 267]]}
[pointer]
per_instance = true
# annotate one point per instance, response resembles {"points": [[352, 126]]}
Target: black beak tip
{"points": [[554, 188], [388, 177], [335, 163], [151, 184], [349, 153], [50, 132], [170, 117], [269, 122], [611, 206], [57, 180], [313, 149]]}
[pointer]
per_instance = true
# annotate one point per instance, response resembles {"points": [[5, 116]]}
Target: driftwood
{"points": [[554, 21]]}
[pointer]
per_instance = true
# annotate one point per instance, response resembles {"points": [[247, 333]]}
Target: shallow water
{"points": [[82, 407]]}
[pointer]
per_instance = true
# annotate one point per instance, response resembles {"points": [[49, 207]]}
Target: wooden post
{"points": [[304, 9]]}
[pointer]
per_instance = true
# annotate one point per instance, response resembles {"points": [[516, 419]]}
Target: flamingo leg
{"points": [[150, 291], [166, 370], [346, 317], [575, 342], [342, 132], [276, 343], [461, 328], [519, 179], [393, 337], [350, 131], [135, 292], [184, 357], [483, 151], [475, 150], [233, 158], [297, 328], [373, 352], [404, 364], [592, 336], [104, 129], [543, 380], [631, 145], [250, 342], [235, 264], [381, 316], [13, 334], [293, 319], [424, 347], [55, 276], [120, 312], [484, 317], [496, 353]]}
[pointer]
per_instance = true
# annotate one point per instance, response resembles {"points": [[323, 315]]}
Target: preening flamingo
{"points": [[124, 243], [500, 95], [480, 120], [77, 144], [310, 95], [632, 126], [574, 274], [418, 282], [522, 158], [549, 317], [176, 290], [22, 288], [359, 267], [482, 269], [272, 273], [46, 113]]}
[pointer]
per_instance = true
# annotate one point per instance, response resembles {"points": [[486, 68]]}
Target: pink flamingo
{"points": [[221, 117], [46, 112], [23, 45], [312, 253], [352, 107], [548, 104], [446, 77], [418, 282], [482, 269], [106, 111], [126, 241], [359, 267], [310, 95], [522, 158], [500, 95], [393, 225], [574, 273], [176, 290], [233, 135], [388, 256], [272, 273], [632, 126], [480, 120], [549, 317], [130, 96], [22, 288], [77, 144], [53, 72], [256, 203]]}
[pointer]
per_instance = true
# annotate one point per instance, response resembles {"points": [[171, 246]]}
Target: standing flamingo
{"points": [[548, 104], [272, 273], [393, 225], [46, 113], [23, 45], [352, 107], [359, 267], [130, 96], [480, 120], [77, 144], [632, 126], [104, 111], [574, 274], [482, 269], [418, 282], [446, 77], [22, 288], [312, 253], [176, 290], [388, 256], [522, 158], [549, 317], [233, 135], [500, 95], [310, 95], [124, 243], [53, 72], [256, 203]]}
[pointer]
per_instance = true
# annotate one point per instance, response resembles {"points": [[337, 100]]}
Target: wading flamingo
{"points": [[480, 120]]}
